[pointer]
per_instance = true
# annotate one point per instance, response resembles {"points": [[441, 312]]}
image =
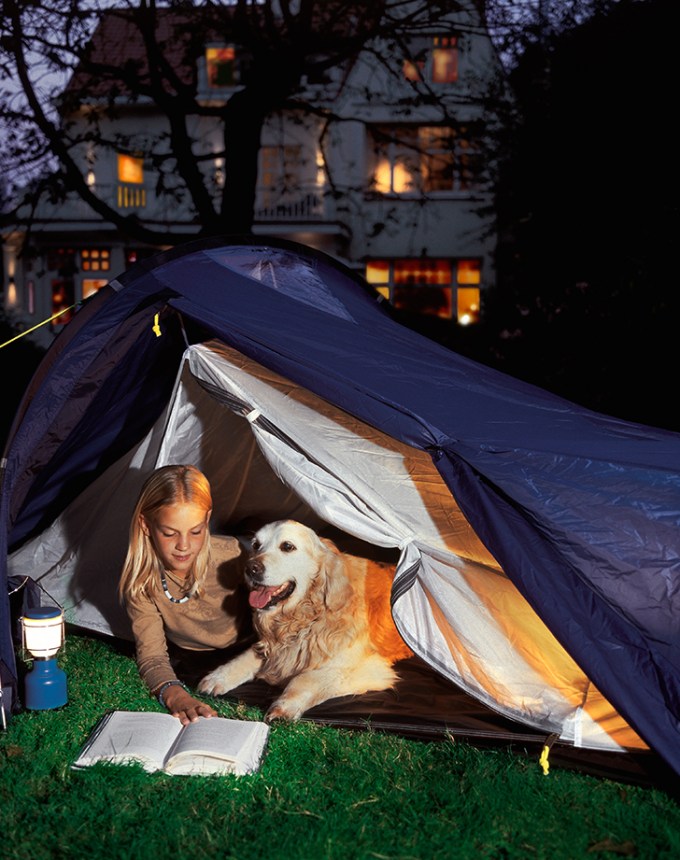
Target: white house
{"points": [[387, 176]]}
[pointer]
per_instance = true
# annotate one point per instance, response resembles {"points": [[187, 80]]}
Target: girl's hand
{"points": [[182, 705]]}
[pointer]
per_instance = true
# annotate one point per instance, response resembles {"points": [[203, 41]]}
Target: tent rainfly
{"points": [[538, 543]]}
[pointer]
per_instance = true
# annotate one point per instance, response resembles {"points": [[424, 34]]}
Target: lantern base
{"points": [[45, 686]]}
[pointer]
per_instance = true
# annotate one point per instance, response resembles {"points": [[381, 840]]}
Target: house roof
{"points": [[115, 63], [117, 54]]}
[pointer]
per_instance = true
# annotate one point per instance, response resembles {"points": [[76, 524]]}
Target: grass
{"points": [[322, 793]]}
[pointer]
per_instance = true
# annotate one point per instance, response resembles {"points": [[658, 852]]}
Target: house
{"points": [[379, 162]]}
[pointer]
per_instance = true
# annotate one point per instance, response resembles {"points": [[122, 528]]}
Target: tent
{"points": [[538, 543]]}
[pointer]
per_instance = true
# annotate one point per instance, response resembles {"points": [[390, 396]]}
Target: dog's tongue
{"points": [[260, 597]]}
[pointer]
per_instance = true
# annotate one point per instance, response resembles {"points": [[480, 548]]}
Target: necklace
{"points": [[168, 595]]}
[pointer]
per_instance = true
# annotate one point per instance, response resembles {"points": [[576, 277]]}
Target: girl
{"points": [[181, 587]]}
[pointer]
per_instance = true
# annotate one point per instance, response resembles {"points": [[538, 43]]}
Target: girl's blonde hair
{"points": [[169, 485]]}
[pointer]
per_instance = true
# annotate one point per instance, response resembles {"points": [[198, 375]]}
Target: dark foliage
{"points": [[586, 303]]}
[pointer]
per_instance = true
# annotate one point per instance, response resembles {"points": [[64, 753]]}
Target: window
{"points": [[62, 260], [423, 159], [278, 167], [283, 192], [468, 278], [91, 285], [434, 60], [439, 287], [222, 67], [30, 296], [130, 169], [63, 299], [134, 255], [467, 310], [436, 157], [131, 193], [95, 260]]}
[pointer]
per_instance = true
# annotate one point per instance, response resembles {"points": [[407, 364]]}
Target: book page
{"points": [[124, 735], [218, 745]]}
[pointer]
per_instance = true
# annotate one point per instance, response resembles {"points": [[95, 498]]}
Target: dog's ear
{"points": [[337, 590], [330, 546]]}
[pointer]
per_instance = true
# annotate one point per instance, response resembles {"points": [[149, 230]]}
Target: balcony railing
{"points": [[306, 205], [299, 207], [130, 196], [124, 198]]}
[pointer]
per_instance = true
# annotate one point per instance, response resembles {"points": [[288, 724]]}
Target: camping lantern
{"points": [[43, 636]]}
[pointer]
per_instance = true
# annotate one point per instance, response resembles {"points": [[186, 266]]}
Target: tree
{"points": [[54, 53], [586, 303]]}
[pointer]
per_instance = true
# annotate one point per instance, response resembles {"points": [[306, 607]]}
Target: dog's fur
{"points": [[323, 621]]}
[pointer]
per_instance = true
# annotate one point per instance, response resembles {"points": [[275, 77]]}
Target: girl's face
{"points": [[178, 533]]}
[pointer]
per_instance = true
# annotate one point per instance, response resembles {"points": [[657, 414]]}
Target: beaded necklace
{"points": [[167, 593]]}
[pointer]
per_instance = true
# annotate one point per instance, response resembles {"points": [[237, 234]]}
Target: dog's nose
{"points": [[255, 569]]}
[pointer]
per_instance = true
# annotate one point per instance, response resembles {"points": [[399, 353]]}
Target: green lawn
{"points": [[322, 792]]}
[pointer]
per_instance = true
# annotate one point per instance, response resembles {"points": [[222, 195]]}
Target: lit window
{"points": [[444, 60], [222, 67], [91, 285], [413, 69], [397, 160], [378, 276], [429, 286], [422, 271], [434, 59], [467, 311], [95, 260], [423, 286], [63, 299], [469, 272], [425, 159], [130, 169], [131, 192]]}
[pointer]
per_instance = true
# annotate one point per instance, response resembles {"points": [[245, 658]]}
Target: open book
{"points": [[161, 742]]}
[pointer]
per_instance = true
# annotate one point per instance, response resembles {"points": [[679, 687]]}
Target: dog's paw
{"points": [[216, 683], [282, 711]]}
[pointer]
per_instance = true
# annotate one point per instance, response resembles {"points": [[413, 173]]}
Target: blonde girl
{"points": [[180, 587]]}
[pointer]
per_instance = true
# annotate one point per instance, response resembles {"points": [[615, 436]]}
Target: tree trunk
{"points": [[244, 117]]}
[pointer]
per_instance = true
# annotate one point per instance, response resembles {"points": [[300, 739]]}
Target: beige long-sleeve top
{"points": [[205, 622]]}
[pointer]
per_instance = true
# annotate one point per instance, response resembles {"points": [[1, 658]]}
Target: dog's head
{"points": [[287, 561]]}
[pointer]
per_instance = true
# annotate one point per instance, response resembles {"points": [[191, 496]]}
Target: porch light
{"points": [[219, 172], [43, 636]]}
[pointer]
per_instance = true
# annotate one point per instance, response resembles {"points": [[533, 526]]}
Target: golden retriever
{"points": [[323, 620]]}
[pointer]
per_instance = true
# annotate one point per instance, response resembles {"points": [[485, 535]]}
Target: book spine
{"points": [[96, 731]]}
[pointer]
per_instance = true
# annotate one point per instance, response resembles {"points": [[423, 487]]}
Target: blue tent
{"points": [[539, 554]]}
